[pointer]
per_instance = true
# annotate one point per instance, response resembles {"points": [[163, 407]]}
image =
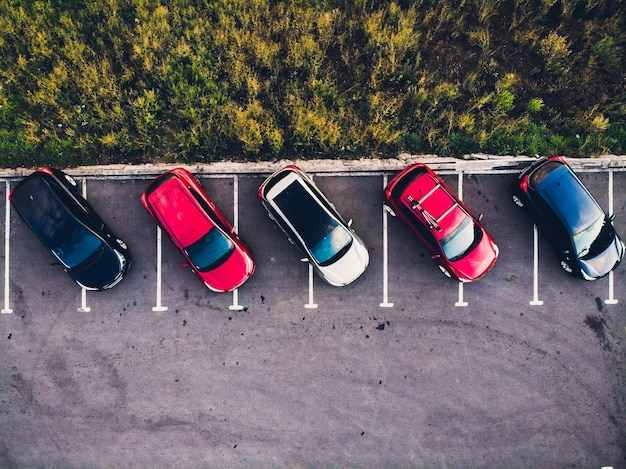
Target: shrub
{"points": [[534, 105], [87, 81]]}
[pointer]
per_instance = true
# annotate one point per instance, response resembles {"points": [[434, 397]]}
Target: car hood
{"points": [[231, 274], [603, 263], [101, 271], [478, 262], [348, 267]]}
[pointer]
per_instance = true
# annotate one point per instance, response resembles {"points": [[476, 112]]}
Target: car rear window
{"points": [[407, 180], [542, 172], [159, 182]]}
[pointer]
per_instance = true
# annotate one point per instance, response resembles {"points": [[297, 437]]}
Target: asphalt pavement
{"points": [[524, 368]]}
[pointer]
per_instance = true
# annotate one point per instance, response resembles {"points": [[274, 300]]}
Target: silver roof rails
{"points": [[416, 205]]}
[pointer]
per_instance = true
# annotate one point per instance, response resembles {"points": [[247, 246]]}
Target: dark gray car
{"points": [[580, 232], [50, 204]]}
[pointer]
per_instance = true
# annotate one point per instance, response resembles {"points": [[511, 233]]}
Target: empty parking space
{"points": [[403, 367]]}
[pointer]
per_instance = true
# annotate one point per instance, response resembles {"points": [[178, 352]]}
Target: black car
{"points": [[51, 205], [580, 232]]}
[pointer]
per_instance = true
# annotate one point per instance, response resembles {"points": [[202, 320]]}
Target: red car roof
{"points": [[176, 209], [427, 196]]}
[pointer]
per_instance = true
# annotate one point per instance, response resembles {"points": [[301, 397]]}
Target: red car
{"points": [[456, 239], [179, 205]]}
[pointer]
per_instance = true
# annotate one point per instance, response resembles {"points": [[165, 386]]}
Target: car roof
{"points": [[43, 210], [427, 195], [571, 201], [177, 209]]}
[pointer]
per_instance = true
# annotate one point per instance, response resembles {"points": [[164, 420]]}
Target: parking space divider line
{"points": [[159, 306], [385, 303], [310, 304], [83, 301], [83, 292], [7, 244], [535, 301], [460, 302], [611, 300], [235, 306]]}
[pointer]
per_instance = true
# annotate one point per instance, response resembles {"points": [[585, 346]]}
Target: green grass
{"points": [[92, 81]]}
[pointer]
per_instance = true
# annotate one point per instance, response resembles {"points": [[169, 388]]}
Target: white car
{"points": [[313, 225]]}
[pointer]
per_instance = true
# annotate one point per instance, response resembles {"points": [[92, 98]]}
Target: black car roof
{"points": [[569, 199], [41, 207]]}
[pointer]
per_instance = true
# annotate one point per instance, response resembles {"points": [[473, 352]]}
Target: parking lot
{"points": [[403, 368]]}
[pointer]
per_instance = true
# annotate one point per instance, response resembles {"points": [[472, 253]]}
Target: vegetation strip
{"points": [[87, 82]]}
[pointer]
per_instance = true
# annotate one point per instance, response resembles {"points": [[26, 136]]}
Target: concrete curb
{"points": [[470, 164]]}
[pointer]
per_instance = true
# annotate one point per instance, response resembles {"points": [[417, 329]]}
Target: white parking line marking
{"points": [[236, 306], [460, 302], [159, 306], [83, 301], [83, 293], [611, 300], [310, 304], [385, 303], [535, 301], [7, 242]]}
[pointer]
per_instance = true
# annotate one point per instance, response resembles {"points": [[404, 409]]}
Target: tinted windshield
{"points": [[323, 235], [332, 244], [77, 248], [594, 239], [462, 240], [210, 251]]}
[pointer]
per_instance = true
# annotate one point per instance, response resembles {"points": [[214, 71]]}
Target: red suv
{"points": [[179, 205], [456, 238]]}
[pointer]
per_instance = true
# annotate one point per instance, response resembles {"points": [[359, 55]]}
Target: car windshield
{"points": [[79, 247], [210, 251], [332, 245], [461, 240], [324, 236], [594, 239]]}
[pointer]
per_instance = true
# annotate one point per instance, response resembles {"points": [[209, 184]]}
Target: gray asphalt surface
{"points": [[445, 378]]}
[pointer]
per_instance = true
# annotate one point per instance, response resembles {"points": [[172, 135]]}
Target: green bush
{"points": [[88, 82]]}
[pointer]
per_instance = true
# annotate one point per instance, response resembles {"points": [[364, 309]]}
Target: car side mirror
{"points": [[480, 217], [612, 217], [350, 222], [436, 256], [304, 259]]}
